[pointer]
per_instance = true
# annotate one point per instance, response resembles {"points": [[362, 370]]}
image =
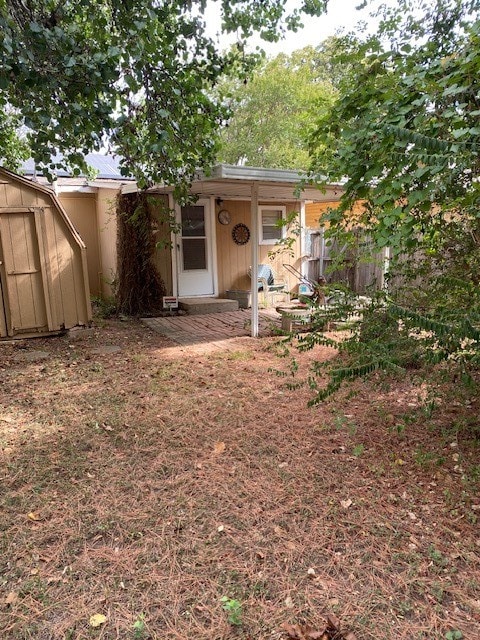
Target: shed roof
{"points": [[6, 174]]}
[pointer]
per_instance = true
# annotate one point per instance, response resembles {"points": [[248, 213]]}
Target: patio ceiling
{"points": [[281, 191], [235, 182]]}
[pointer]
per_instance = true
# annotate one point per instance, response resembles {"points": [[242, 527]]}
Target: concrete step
{"points": [[201, 306]]}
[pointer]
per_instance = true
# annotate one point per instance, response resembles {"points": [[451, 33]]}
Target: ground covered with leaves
{"points": [[152, 491]]}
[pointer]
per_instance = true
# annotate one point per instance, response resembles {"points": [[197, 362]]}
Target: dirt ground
{"points": [[149, 491]]}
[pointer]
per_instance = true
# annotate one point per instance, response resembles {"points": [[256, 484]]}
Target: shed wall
{"points": [[44, 285]]}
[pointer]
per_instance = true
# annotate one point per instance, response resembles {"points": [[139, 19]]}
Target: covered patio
{"points": [[255, 186]]}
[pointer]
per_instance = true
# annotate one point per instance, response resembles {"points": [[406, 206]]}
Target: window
{"points": [[270, 218]]}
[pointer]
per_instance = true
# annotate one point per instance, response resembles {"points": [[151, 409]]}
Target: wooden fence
{"points": [[361, 270]]}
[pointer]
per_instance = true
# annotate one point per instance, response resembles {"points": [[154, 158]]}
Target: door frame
{"points": [[209, 204], [5, 315], [5, 327]]}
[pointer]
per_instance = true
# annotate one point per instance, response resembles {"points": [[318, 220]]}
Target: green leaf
{"points": [[35, 27]]}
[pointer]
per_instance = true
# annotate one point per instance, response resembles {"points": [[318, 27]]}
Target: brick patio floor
{"points": [[214, 330]]}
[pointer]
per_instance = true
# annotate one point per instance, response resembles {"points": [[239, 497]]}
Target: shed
{"points": [[43, 267]]}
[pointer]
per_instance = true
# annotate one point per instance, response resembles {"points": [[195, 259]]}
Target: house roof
{"points": [[107, 167], [223, 181]]}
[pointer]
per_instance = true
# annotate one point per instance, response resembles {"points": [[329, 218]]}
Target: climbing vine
{"points": [[140, 287]]}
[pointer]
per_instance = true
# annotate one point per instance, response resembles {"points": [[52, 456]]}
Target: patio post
{"points": [[254, 237]]}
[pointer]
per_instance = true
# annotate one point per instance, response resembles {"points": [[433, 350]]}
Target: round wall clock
{"points": [[224, 216], [241, 233]]}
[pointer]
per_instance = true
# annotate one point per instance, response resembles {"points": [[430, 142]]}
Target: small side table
{"points": [[294, 317]]}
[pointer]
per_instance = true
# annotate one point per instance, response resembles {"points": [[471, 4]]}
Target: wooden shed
{"points": [[43, 267]]}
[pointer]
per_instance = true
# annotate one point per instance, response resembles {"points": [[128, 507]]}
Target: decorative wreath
{"points": [[241, 233]]}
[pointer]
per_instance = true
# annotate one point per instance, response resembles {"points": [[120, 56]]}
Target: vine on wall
{"points": [[140, 285]]}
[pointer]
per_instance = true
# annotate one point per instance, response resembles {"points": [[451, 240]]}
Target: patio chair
{"points": [[270, 285]]}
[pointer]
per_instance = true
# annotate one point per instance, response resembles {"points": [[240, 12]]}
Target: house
{"points": [[43, 264], [207, 257], [91, 207], [232, 227]]}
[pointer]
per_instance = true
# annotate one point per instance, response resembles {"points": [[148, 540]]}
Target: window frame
{"points": [[270, 207]]}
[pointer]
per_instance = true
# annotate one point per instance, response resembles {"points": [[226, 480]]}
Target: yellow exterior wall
{"points": [[234, 260], [162, 232], [81, 208], [315, 210], [94, 216], [107, 239]]}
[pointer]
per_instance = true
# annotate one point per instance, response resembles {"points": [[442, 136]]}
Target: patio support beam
{"points": [[254, 239], [303, 231]]}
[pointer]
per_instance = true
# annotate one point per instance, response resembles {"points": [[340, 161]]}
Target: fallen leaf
{"points": [[97, 620], [346, 503], [303, 632], [290, 630], [11, 598], [218, 448], [34, 515]]}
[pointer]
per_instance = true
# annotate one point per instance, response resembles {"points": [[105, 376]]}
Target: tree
{"points": [[404, 129], [274, 110], [133, 76], [404, 135]]}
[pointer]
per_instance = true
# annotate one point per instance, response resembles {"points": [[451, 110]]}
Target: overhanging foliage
{"points": [[132, 76], [404, 135]]}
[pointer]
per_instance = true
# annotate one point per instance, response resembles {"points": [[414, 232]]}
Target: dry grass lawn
{"points": [[144, 485]]}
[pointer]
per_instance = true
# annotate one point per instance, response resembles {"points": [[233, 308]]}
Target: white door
{"points": [[194, 250]]}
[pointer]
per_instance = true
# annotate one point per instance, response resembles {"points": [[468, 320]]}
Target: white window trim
{"points": [[270, 207]]}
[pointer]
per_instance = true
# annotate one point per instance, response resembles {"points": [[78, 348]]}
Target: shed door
{"points": [[22, 285]]}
